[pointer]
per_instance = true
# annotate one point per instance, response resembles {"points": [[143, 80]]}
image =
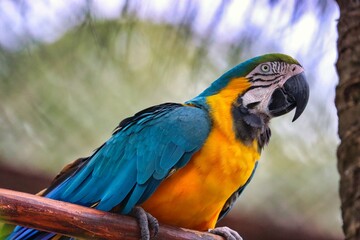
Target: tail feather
{"points": [[23, 233]]}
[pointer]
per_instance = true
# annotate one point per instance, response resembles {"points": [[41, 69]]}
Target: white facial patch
{"points": [[265, 79]]}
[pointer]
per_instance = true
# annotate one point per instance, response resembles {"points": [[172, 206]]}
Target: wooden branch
{"points": [[78, 221]]}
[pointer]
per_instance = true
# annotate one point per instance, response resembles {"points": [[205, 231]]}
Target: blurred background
{"points": [[71, 71]]}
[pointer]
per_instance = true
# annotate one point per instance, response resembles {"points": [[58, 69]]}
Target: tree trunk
{"points": [[348, 107]]}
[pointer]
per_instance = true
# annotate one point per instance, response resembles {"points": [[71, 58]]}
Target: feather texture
{"points": [[129, 167], [186, 164]]}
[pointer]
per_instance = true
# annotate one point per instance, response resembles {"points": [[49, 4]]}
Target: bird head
{"points": [[277, 86], [269, 86]]}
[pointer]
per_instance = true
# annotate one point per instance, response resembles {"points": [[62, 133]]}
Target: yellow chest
{"points": [[194, 196]]}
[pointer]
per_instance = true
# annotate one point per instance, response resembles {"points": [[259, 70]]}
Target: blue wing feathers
{"points": [[135, 196], [172, 152], [28, 233], [128, 168], [151, 187]]}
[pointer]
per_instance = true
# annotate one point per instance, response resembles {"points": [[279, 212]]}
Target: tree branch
{"points": [[78, 221]]}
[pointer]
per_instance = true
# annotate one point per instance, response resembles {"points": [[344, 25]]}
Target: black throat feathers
{"points": [[249, 126]]}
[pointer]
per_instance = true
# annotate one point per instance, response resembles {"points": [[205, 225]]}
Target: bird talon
{"points": [[226, 232], [153, 223], [146, 222]]}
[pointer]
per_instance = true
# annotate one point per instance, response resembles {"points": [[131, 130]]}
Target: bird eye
{"points": [[265, 68]]}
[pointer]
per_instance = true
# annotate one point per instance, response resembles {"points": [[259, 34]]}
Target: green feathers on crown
{"points": [[246, 67], [240, 70]]}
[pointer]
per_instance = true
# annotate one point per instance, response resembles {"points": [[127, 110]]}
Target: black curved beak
{"points": [[294, 93]]}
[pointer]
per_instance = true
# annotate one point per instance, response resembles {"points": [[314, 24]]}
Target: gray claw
{"points": [[146, 222], [226, 232]]}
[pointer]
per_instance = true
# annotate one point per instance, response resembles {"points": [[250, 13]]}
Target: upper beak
{"points": [[294, 93]]}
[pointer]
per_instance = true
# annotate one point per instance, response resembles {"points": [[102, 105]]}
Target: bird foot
{"points": [[226, 232], [146, 222]]}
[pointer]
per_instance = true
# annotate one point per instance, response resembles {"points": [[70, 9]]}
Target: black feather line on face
{"points": [[252, 105]]}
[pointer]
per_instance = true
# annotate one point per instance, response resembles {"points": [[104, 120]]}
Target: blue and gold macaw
{"points": [[186, 164]]}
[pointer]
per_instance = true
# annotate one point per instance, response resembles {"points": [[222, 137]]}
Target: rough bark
{"points": [[348, 107], [78, 221], [250, 226]]}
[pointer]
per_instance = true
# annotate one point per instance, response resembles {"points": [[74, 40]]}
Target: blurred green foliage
{"points": [[60, 101]]}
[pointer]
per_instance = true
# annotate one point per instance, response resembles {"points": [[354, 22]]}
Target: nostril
{"points": [[294, 68]]}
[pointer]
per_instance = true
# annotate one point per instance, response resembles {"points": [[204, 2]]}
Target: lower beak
{"points": [[294, 93]]}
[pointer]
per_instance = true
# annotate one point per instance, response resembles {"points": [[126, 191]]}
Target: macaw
{"points": [[186, 164]]}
